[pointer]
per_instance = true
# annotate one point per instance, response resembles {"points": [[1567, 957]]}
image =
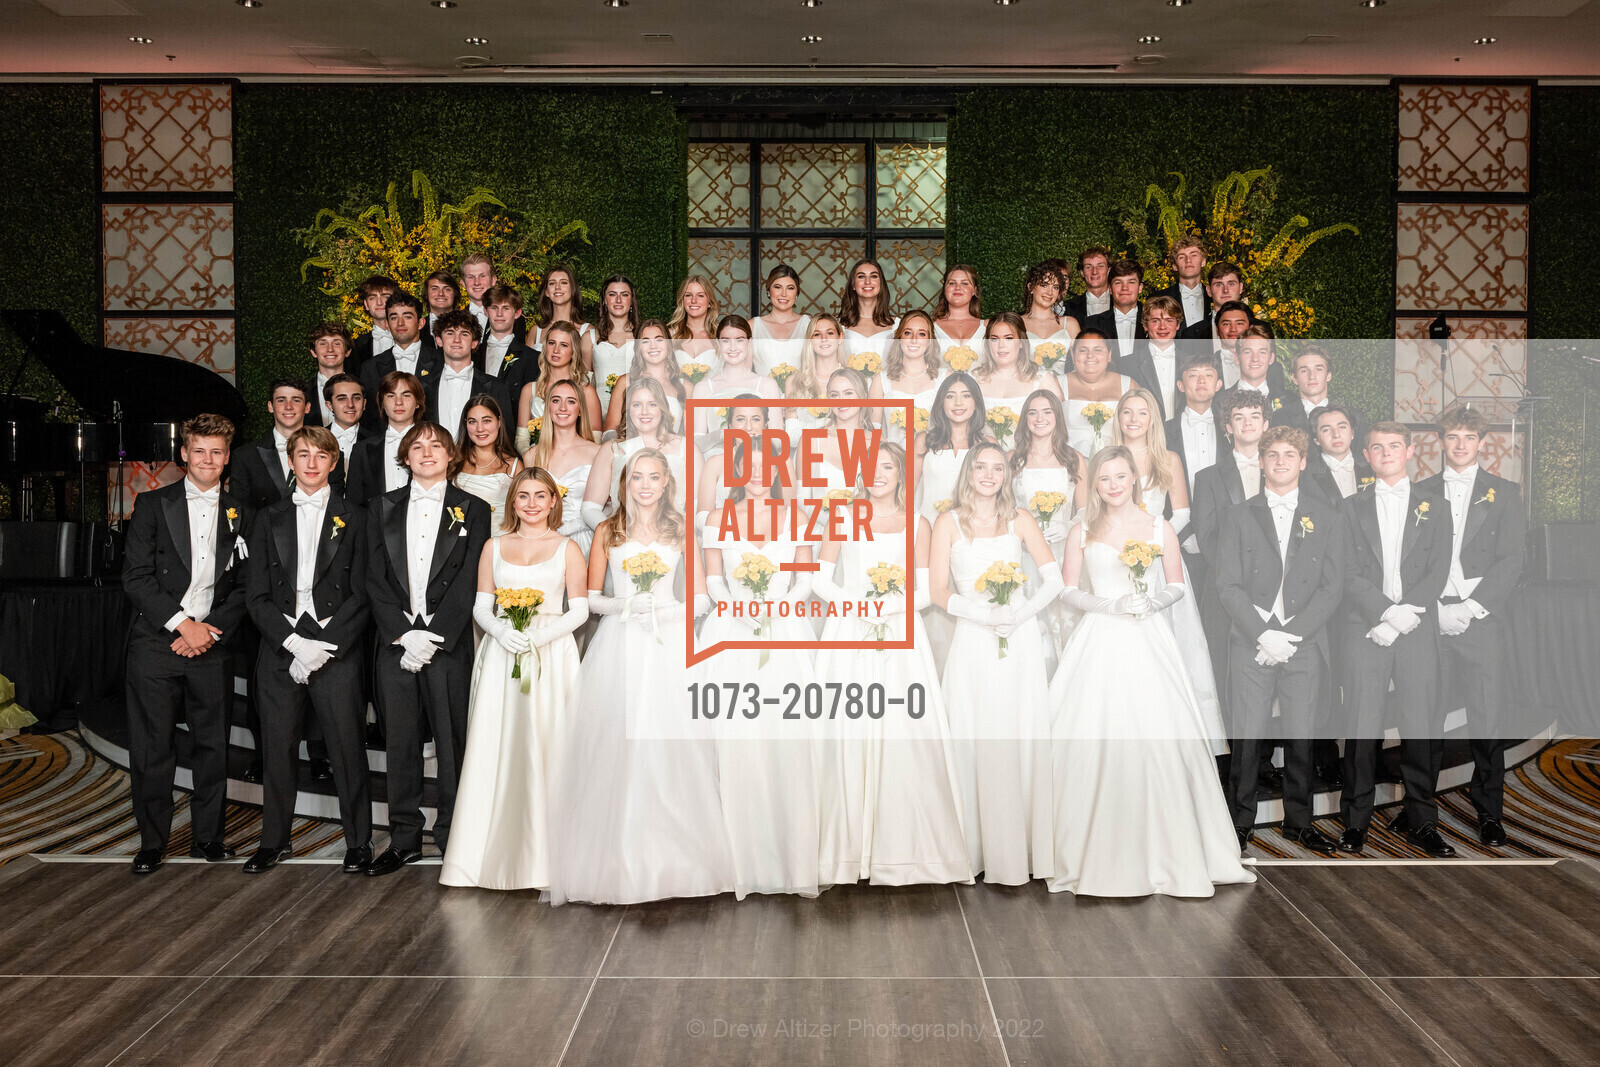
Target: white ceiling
{"points": [[862, 40]]}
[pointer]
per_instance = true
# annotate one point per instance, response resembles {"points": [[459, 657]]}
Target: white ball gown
{"points": [[874, 341], [1058, 617], [947, 342], [998, 718], [936, 483], [1138, 807], [572, 525], [638, 816], [771, 351], [922, 401], [500, 838], [1184, 618], [491, 489], [1012, 404], [890, 791], [610, 362], [1080, 434]]}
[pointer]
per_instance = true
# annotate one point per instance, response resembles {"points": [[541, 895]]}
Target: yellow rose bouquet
{"points": [[1139, 557], [1051, 355], [694, 371], [897, 418], [1045, 503], [836, 497], [645, 569], [867, 363], [534, 426], [886, 580], [1097, 415], [1001, 580], [1002, 422], [782, 373], [520, 606], [960, 357], [755, 573]]}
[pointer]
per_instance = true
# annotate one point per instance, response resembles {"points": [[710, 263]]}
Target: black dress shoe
{"points": [[1428, 839], [1491, 833], [321, 770], [1330, 774], [264, 859], [392, 860], [358, 859], [1244, 838], [1310, 837], [1269, 782], [147, 860], [375, 736], [1353, 841], [1399, 824], [253, 772], [210, 851]]}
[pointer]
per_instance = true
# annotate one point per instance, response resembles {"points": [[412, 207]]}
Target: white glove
{"points": [[1131, 604], [982, 614], [1383, 635], [641, 606], [593, 514], [799, 589], [1169, 595], [1278, 645], [420, 645], [1054, 533], [1403, 617], [1049, 589], [924, 597], [1454, 619], [504, 633], [1191, 545], [702, 605], [549, 627], [600, 604], [298, 672], [1084, 600], [311, 655], [411, 663], [522, 440]]}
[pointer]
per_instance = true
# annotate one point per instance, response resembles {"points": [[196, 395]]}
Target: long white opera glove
{"points": [[420, 645], [600, 604], [702, 605], [1180, 519], [561, 625], [983, 614], [642, 606], [717, 586], [1277, 645], [924, 597], [1083, 600], [504, 633], [1403, 617], [522, 439], [1050, 588], [799, 588], [593, 514], [828, 591], [1383, 635], [1169, 595]]}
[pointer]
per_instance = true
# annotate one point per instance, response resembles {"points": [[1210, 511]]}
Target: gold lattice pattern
{"points": [[813, 186], [1501, 455], [821, 263], [726, 261], [911, 185], [168, 257], [1481, 351], [137, 478], [166, 138], [1468, 256], [1464, 138], [719, 185], [914, 267], [206, 341]]}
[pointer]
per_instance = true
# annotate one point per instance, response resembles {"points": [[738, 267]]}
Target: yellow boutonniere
{"points": [[1366, 482], [1277, 403], [338, 524], [422, 373], [1421, 513], [457, 517], [1486, 498], [233, 517], [1306, 525]]}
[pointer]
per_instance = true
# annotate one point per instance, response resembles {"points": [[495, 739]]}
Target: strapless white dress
{"points": [[491, 489]]}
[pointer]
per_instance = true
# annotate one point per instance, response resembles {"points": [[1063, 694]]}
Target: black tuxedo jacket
{"points": [[314, 411], [1141, 367], [1174, 433], [1078, 307], [1205, 298], [481, 383], [1495, 539], [1318, 474], [366, 480], [375, 370], [156, 564], [1217, 489], [1106, 323], [360, 354], [452, 576], [256, 477], [1424, 556], [519, 367], [1311, 573], [339, 584]]}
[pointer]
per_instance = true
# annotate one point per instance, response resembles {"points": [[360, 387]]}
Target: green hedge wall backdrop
{"points": [[1566, 229], [1035, 173], [614, 159]]}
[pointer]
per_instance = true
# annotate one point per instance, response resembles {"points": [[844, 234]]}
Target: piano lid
{"points": [[151, 388]]}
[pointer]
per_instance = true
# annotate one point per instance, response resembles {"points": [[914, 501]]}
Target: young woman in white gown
{"points": [[488, 461], [846, 383], [638, 814], [561, 300], [1043, 461], [1091, 381], [734, 376], [615, 336], [693, 324], [1138, 806], [1165, 493], [653, 357], [821, 355], [766, 766], [567, 451], [911, 371], [558, 362], [954, 425], [1041, 289], [500, 837], [646, 426], [994, 681], [957, 313], [866, 310], [1006, 374], [781, 332], [890, 792], [710, 492]]}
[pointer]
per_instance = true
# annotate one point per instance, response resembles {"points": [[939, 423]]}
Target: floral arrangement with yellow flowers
{"points": [[886, 580], [534, 426], [520, 606], [1045, 503], [1050, 355], [457, 517], [338, 525], [1003, 578], [1306, 526], [611, 380], [782, 373], [867, 363], [942, 506], [960, 357], [818, 412], [1097, 415], [755, 573], [1139, 557], [233, 519], [897, 417], [351, 243], [834, 497], [695, 372], [1002, 422], [1487, 497], [1421, 512], [645, 568]]}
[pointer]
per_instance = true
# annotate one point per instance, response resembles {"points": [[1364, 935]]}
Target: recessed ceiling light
{"points": [[1483, 40], [1373, 3], [1149, 38], [811, 38], [616, 3], [443, 5], [477, 42], [810, 3], [141, 40], [1007, 3], [1179, 3], [249, 3]]}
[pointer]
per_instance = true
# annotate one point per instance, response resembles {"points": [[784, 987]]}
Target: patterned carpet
{"points": [[58, 797]]}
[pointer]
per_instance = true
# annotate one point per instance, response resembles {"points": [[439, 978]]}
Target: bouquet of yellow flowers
{"points": [[1097, 415], [646, 568], [1045, 503], [817, 413], [1050, 355], [834, 497], [694, 371], [520, 606], [782, 373], [534, 426], [960, 357], [755, 573], [611, 381], [1003, 422], [1139, 557], [886, 579], [867, 363], [897, 417], [942, 506], [1001, 580]]}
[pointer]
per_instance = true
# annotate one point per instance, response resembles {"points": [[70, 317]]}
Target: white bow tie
{"points": [[1124, 316], [457, 376], [1192, 417], [317, 499], [432, 496], [1348, 463], [1289, 502], [1398, 489], [1246, 462], [392, 435], [378, 332], [210, 496], [1466, 477]]}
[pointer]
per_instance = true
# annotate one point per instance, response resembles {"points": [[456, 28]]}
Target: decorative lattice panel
{"points": [[1464, 138], [813, 186], [167, 257], [726, 261], [166, 138], [1467, 256], [911, 185], [1485, 358], [719, 185], [1501, 455], [914, 267], [206, 341], [821, 263], [137, 478]]}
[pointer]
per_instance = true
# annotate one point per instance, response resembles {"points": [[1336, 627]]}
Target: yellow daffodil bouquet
{"points": [[520, 606], [1003, 578]]}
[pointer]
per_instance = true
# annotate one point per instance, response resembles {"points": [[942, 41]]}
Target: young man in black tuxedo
{"points": [[374, 294], [1398, 564], [503, 353], [413, 353], [306, 578], [179, 573], [1121, 323], [376, 467], [1337, 469], [1485, 562], [1188, 261], [1225, 286], [1195, 432], [259, 474], [1313, 372], [347, 402], [1259, 370], [1094, 263], [424, 543], [442, 293], [1280, 577], [330, 356], [1154, 362], [459, 379]]}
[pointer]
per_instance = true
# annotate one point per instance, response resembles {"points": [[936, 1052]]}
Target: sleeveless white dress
{"points": [[936, 482], [998, 718], [710, 389], [947, 342], [1058, 617], [610, 362], [638, 815], [770, 351], [500, 838], [572, 524], [890, 791], [491, 489], [922, 401], [1012, 404], [620, 454], [1079, 433], [1184, 618], [1138, 807], [878, 342]]}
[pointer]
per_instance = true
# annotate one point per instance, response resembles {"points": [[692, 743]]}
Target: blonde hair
{"points": [[668, 519], [539, 454], [512, 521], [898, 454], [894, 364], [1027, 369], [858, 382], [1162, 475], [678, 324], [1095, 511], [649, 385], [577, 372], [804, 384], [964, 495]]}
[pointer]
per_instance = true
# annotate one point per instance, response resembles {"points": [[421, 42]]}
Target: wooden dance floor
{"points": [[1343, 963]]}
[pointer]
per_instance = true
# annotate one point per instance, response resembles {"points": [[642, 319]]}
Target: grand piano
{"points": [[135, 401]]}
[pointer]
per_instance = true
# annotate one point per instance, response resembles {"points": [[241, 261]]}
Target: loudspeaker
{"points": [[1565, 552], [34, 550]]}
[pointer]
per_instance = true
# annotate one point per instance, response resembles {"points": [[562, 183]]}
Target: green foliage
{"points": [[613, 158]]}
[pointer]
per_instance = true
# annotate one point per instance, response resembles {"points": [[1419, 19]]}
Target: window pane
{"points": [[911, 185], [914, 269], [813, 186], [719, 185], [726, 261], [821, 263]]}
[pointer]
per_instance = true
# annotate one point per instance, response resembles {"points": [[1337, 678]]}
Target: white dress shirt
{"points": [[203, 510], [1249, 472], [1282, 508], [480, 313], [455, 389], [346, 436], [1264, 388], [1343, 471], [1166, 362], [1199, 430], [1127, 324], [309, 511], [394, 474], [422, 530], [1311, 405], [382, 340], [1458, 488], [1230, 368], [406, 356], [1094, 305], [322, 400], [494, 353], [1393, 501], [282, 444], [1194, 303]]}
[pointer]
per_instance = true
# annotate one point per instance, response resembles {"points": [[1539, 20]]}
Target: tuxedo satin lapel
{"points": [[269, 460], [1367, 517], [1297, 535], [1477, 508], [444, 545], [1413, 528], [286, 537], [176, 510], [394, 538], [1234, 480], [328, 543], [1263, 516]]}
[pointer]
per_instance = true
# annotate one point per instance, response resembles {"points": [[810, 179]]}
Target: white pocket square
{"points": [[461, 532]]}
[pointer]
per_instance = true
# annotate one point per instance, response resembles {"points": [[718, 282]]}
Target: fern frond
{"points": [[1312, 238]]}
